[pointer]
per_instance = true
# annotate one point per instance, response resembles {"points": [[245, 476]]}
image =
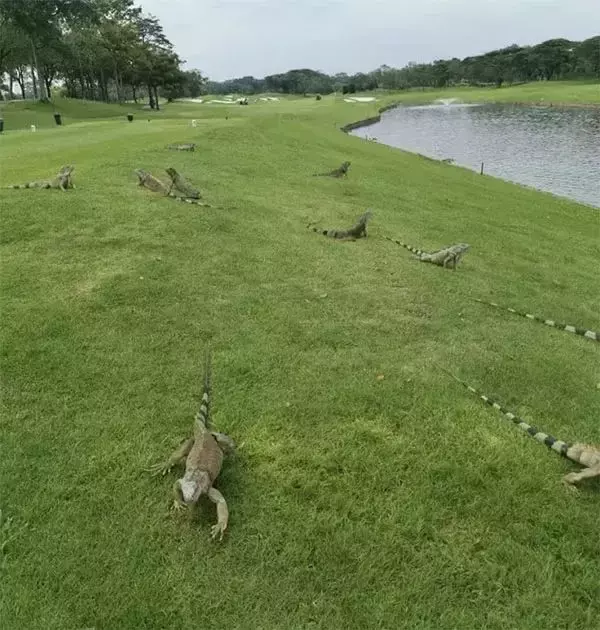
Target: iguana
{"points": [[590, 334], [147, 180], [358, 230], [203, 454], [444, 257], [180, 183], [342, 171], [188, 146], [585, 455], [63, 180]]}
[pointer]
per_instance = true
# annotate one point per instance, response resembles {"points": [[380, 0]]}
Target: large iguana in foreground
{"points": [[584, 332], [341, 171], [203, 454], [62, 181], [358, 230], [445, 257], [147, 180], [585, 455]]}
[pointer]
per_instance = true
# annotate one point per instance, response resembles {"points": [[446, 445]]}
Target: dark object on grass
{"points": [[57, 118], [318, 97], [130, 117], [1, 125]]}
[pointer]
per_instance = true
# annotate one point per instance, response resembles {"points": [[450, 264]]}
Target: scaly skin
{"points": [[188, 146], [342, 171], [358, 230], [589, 334], [180, 184], [62, 181], [445, 257], [147, 180], [586, 455], [203, 454]]}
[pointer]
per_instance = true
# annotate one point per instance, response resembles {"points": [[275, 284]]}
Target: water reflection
{"points": [[555, 149]]}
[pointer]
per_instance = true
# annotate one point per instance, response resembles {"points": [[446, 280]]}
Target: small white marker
{"points": [[33, 128]]}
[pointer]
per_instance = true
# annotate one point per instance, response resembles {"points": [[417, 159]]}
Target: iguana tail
{"points": [[590, 334], [410, 248], [192, 201], [551, 442], [29, 185], [203, 415]]}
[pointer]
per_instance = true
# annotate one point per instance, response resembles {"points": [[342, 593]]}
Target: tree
{"points": [[41, 21]]}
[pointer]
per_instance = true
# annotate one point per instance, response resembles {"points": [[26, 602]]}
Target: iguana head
{"points": [[193, 485], [171, 172]]}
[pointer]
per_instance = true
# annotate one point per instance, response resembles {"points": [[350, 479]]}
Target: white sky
{"points": [[234, 38]]}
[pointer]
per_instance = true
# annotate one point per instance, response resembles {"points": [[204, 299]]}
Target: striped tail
{"points": [[203, 415], [186, 200], [551, 442], [589, 334], [410, 248]]}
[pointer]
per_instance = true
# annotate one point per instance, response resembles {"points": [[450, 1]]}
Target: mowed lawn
{"points": [[369, 489]]}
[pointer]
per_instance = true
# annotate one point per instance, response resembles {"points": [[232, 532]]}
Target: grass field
{"points": [[370, 490]]}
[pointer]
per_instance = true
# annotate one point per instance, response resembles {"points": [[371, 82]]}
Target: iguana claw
{"points": [[178, 505], [217, 530], [159, 469]]}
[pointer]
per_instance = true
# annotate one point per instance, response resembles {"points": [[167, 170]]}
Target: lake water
{"points": [[556, 149]]}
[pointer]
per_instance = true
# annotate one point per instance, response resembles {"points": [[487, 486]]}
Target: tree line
{"points": [[107, 50], [551, 60], [110, 50]]}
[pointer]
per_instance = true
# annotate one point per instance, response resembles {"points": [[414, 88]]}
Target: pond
{"points": [[556, 149]]}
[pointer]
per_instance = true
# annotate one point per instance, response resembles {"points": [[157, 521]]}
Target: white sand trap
{"points": [[360, 99], [222, 102], [191, 100]]}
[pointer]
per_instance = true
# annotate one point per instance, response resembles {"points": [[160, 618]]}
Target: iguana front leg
{"points": [[179, 454], [226, 444], [222, 514], [586, 473], [178, 502]]}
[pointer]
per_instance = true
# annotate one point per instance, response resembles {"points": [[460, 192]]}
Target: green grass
{"points": [[356, 501], [538, 92]]}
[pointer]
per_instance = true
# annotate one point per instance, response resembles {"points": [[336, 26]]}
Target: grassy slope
{"points": [[355, 502]]}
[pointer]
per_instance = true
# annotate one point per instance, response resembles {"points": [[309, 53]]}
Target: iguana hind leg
{"points": [[586, 473], [226, 443], [179, 454], [222, 514]]}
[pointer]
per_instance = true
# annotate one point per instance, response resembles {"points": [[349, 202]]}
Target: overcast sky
{"points": [[234, 38]]}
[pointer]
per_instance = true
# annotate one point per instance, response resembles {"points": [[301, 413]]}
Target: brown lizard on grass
{"points": [[341, 171], [590, 334], [585, 455], [62, 181], [445, 257], [188, 146], [203, 454], [180, 183], [358, 230], [147, 180]]}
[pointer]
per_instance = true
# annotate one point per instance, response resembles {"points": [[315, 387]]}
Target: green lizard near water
{"points": [[586, 455], [62, 181], [147, 180], [203, 453], [445, 257], [358, 230]]}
